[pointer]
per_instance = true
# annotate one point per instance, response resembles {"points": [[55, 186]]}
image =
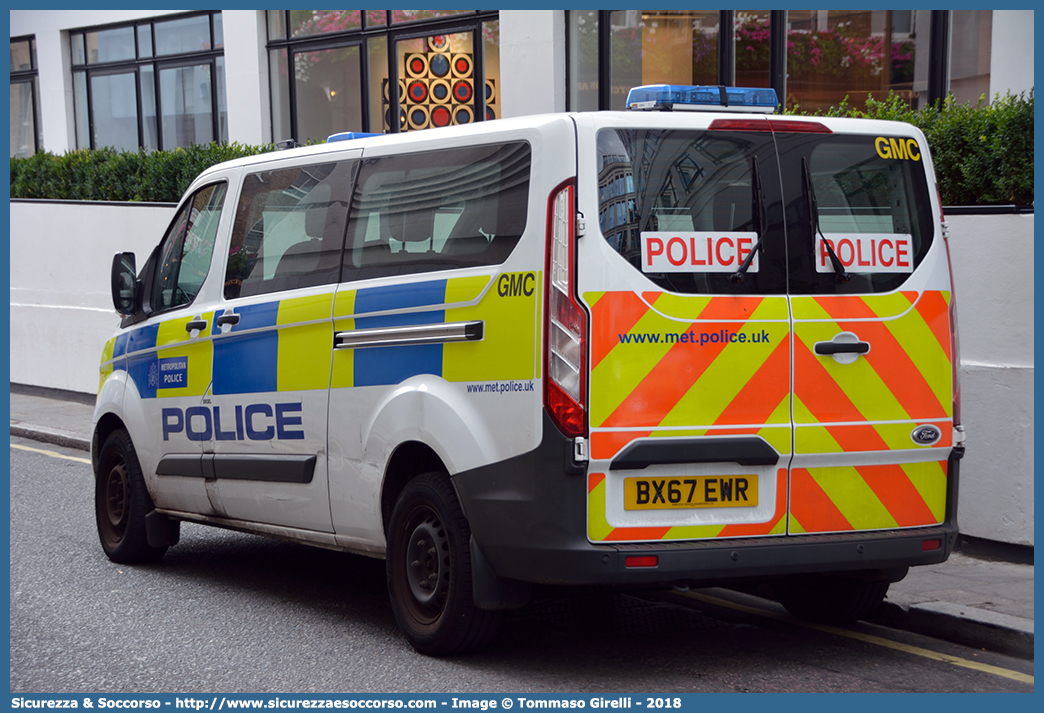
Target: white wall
{"points": [[62, 315], [61, 308], [993, 272], [532, 62], [1011, 59]]}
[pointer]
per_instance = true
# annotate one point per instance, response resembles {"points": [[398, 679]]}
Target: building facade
{"points": [[164, 79]]}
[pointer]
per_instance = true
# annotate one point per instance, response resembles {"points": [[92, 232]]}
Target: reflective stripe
{"points": [[868, 497], [688, 374]]}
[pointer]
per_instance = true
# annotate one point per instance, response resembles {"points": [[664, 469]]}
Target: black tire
{"points": [[829, 599], [429, 571], [121, 503]]}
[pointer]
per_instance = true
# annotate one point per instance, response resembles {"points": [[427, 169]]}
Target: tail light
{"points": [[955, 342], [565, 336]]}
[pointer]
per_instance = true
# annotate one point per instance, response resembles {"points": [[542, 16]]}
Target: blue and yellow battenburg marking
{"points": [[287, 345]]}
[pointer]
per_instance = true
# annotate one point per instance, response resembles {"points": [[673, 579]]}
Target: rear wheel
{"points": [[121, 503], [429, 570], [829, 599]]}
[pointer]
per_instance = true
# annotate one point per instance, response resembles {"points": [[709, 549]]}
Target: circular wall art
{"points": [[417, 65], [417, 91], [462, 65], [417, 117], [462, 91], [439, 65], [463, 115], [440, 91], [439, 43], [440, 116]]}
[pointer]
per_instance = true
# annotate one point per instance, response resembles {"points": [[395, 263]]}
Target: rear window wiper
{"points": [[813, 223], [758, 212]]}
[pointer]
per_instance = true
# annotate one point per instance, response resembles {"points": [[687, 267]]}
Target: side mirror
{"points": [[124, 284]]}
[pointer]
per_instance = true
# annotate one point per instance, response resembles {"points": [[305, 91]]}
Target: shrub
{"points": [[109, 175], [983, 154]]}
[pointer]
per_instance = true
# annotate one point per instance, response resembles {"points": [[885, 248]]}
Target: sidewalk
{"points": [[976, 602]]}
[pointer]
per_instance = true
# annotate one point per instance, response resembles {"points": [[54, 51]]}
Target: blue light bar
{"points": [[681, 97], [348, 136]]}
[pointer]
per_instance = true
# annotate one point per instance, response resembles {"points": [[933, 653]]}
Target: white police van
{"points": [[696, 342]]}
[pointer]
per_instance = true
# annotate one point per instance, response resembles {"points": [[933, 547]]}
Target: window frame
{"points": [[938, 56], [31, 77], [467, 21], [90, 70], [153, 268]]}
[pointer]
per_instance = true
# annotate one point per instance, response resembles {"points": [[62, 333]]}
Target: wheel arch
{"points": [[409, 459], [106, 425]]}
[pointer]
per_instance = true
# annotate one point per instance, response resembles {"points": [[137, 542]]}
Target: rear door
{"points": [[690, 408], [873, 400]]}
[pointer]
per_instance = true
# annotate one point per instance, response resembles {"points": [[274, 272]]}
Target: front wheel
{"points": [[829, 599], [429, 570], [121, 503]]}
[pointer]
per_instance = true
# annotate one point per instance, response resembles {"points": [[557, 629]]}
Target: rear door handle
{"points": [[845, 348], [230, 318], [830, 348]]}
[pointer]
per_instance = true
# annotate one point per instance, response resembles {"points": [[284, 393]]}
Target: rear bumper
{"points": [[529, 517]]}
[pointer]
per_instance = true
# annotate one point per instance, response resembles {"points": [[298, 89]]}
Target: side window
{"points": [[437, 210], [289, 229], [184, 258]]}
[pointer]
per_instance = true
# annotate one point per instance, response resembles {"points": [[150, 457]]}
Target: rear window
{"points": [[874, 210], [682, 207]]}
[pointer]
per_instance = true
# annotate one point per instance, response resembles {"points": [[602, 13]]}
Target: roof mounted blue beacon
{"points": [[683, 97], [349, 136]]}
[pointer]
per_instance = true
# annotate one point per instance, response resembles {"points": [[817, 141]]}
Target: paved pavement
{"points": [[985, 603]]}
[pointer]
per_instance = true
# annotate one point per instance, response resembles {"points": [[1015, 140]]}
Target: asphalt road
{"points": [[227, 612]]}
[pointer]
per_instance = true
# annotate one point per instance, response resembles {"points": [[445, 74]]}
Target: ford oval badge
{"points": [[926, 435]]}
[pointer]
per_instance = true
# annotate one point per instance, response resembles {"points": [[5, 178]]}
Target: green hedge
{"points": [[110, 175], [983, 156]]}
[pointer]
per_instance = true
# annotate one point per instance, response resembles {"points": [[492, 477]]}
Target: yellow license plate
{"points": [[702, 491]]}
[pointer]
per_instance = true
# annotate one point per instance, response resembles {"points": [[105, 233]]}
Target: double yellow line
{"points": [[868, 638], [51, 454]]}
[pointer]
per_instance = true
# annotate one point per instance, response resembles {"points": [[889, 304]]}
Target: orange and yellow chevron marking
{"points": [[606, 444], [905, 376], [599, 530], [868, 497], [673, 380], [870, 437]]}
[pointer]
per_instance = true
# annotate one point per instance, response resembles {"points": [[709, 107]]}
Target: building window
{"points": [[833, 54], [812, 58], [970, 48], [157, 84], [341, 61], [25, 102]]}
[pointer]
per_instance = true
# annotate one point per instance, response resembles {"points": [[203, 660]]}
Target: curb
{"points": [[54, 436], [969, 626]]}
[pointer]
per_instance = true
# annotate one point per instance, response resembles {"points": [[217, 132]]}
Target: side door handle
{"points": [[194, 324], [229, 318]]}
